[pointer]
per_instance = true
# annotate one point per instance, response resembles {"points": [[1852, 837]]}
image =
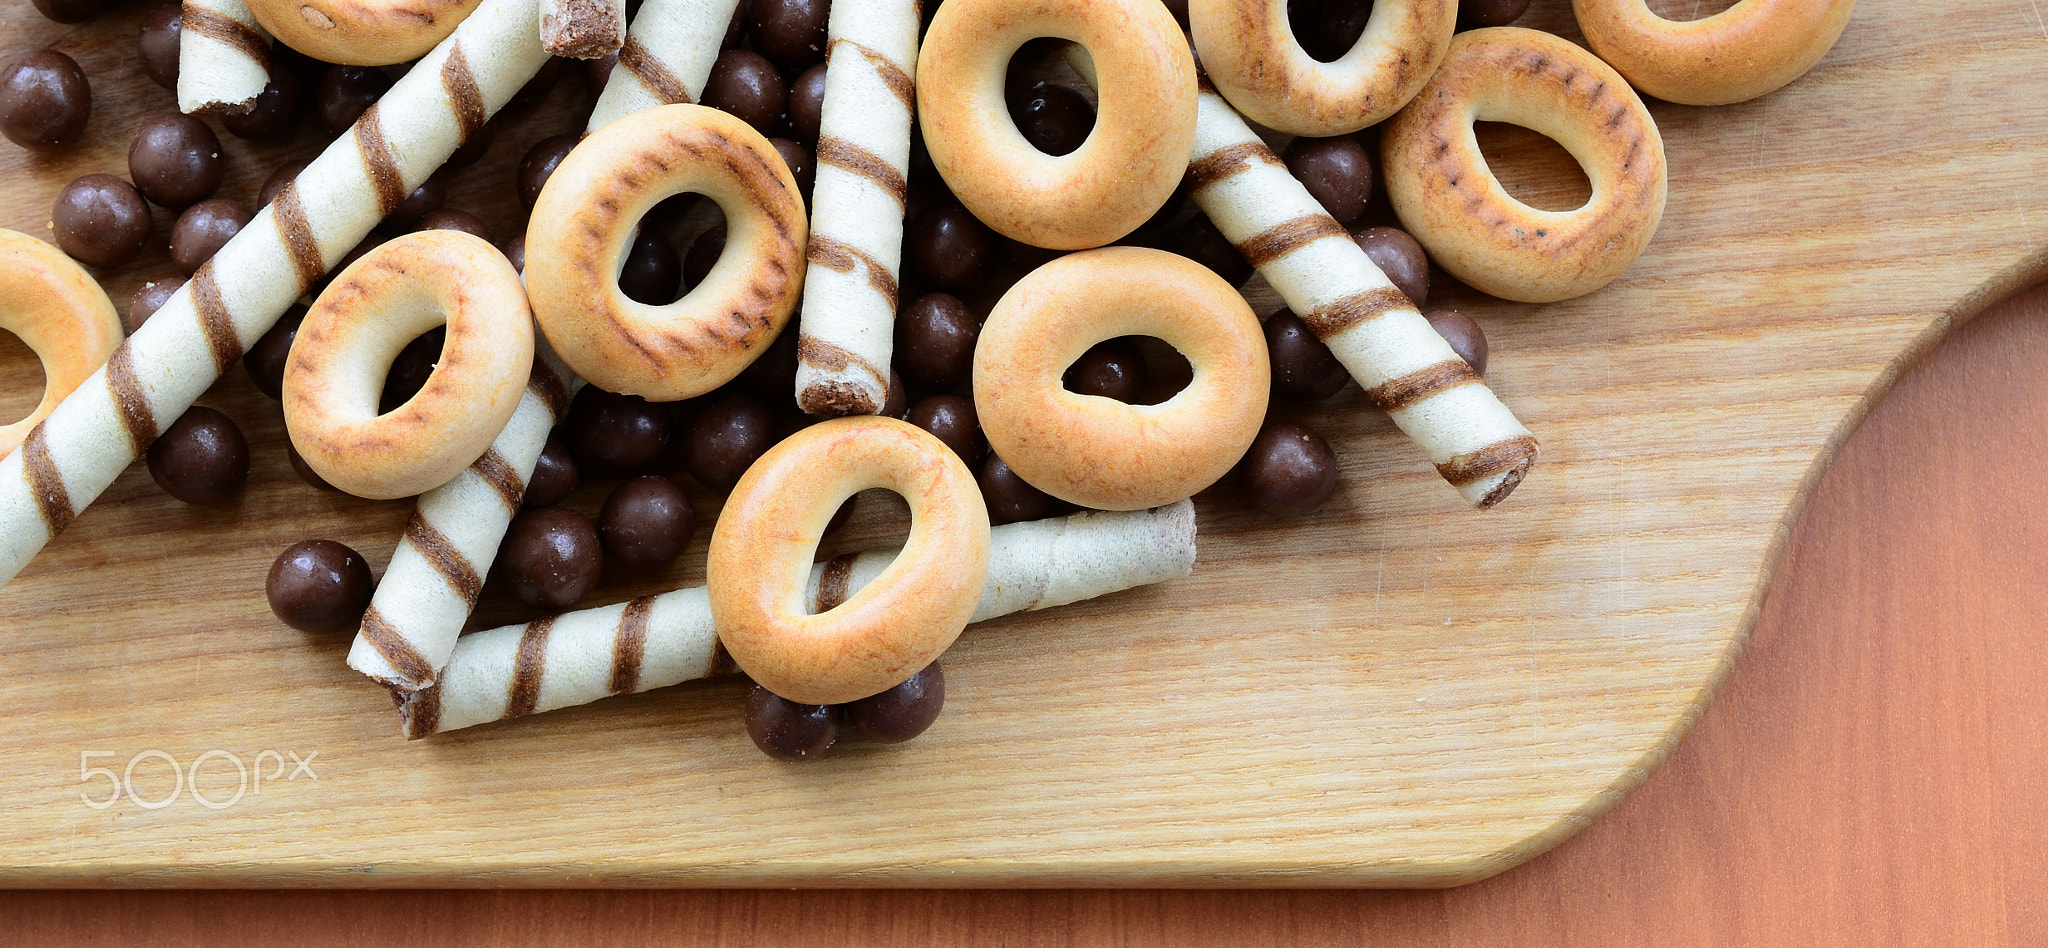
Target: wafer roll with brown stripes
{"points": [[231, 301], [223, 57], [438, 569], [657, 641], [666, 58], [582, 29], [847, 324]]}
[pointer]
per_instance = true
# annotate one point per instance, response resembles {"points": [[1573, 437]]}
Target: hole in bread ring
{"points": [[1740, 53], [583, 227], [1452, 203], [1132, 159], [345, 347], [1096, 451], [56, 309], [1249, 51], [361, 32], [767, 535]]}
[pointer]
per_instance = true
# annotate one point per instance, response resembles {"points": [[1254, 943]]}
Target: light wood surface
{"points": [[1396, 691]]}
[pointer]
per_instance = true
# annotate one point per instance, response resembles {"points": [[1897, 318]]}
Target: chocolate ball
{"points": [[1464, 335], [70, 11], [653, 273], [950, 249], [1475, 14], [902, 712], [201, 458], [44, 100], [448, 218], [344, 93], [646, 522], [551, 556], [148, 300], [100, 220], [320, 586], [773, 375], [801, 167], [428, 197], [1289, 470], [514, 249], [731, 431], [746, 84], [305, 471], [896, 403], [1200, 241], [1303, 368], [935, 340], [410, 371], [281, 178], [158, 43], [613, 433], [951, 419], [703, 255], [735, 28], [176, 160], [1400, 258], [1112, 368], [1336, 171], [540, 163], [807, 103], [1008, 498], [554, 474], [785, 730], [472, 150], [1053, 118], [277, 109], [203, 229], [790, 32], [265, 360]]}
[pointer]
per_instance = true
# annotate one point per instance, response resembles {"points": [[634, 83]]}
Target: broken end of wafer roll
{"points": [[582, 29], [1487, 476]]}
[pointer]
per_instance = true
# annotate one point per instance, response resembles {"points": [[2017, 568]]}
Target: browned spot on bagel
{"points": [[44, 481], [397, 650], [851, 158], [289, 212], [420, 711], [214, 321], [834, 583], [1515, 452], [129, 400], [201, 21], [1284, 238], [379, 161], [503, 478], [464, 98], [1405, 390], [651, 73], [843, 257], [524, 693], [434, 547], [1345, 313], [631, 645], [892, 75], [1227, 162]]}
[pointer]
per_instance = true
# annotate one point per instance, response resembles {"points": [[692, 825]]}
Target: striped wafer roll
{"points": [[657, 641], [847, 324], [203, 329], [223, 57], [666, 58], [440, 564], [582, 29], [1405, 367]]}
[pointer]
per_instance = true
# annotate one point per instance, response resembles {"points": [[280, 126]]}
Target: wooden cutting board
{"points": [[1394, 691]]}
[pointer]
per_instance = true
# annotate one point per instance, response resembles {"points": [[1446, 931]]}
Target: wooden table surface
{"points": [[1871, 773]]}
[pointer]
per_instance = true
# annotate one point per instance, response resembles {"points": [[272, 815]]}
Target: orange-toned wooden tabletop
{"points": [[1873, 773]]}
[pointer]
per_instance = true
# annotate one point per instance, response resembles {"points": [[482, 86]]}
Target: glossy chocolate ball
{"points": [[320, 586], [552, 557], [785, 730], [1289, 469], [646, 522], [201, 458], [902, 712], [100, 220], [176, 160], [44, 100]]}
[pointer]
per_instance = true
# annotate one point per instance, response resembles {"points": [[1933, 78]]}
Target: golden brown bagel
{"points": [[1739, 53], [58, 311], [583, 226], [1099, 452], [1249, 51], [361, 32], [1119, 177], [767, 534], [1445, 195], [345, 347]]}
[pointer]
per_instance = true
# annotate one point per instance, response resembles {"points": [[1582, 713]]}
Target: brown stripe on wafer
{"points": [[1499, 456], [833, 583], [1422, 383], [820, 354], [379, 161], [444, 558], [397, 651], [1286, 237], [129, 399], [225, 29], [463, 95], [290, 214], [631, 645], [214, 321], [1226, 162], [420, 711], [853, 159], [841, 256], [1345, 313], [652, 73], [721, 662], [547, 386], [524, 694], [893, 76], [499, 473], [52, 500]]}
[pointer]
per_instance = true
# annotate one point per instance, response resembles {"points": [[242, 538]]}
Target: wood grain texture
{"points": [[1434, 695]]}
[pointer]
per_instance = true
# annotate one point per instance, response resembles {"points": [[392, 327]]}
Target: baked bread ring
{"points": [[1249, 52], [361, 32], [583, 226], [1099, 452], [1118, 178], [1451, 202], [356, 328], [1737, 54], [767, 535], [59, 312]]}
